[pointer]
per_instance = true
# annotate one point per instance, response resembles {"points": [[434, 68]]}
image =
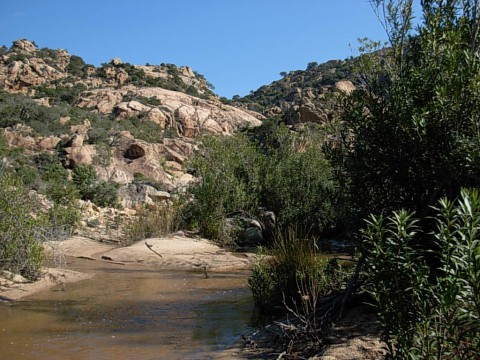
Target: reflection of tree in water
{"points": [[220, 322]]}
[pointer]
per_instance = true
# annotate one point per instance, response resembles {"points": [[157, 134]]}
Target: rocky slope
{"points": [[303, 96], [171, 106]]}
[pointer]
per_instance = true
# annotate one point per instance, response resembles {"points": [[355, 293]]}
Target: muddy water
{"points": [[128, 313]]}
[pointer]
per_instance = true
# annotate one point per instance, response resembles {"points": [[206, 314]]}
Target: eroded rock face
{"points": [[134, 151], [18, 137], [121, 158], [24, 46], [20, 69], [134, 195], [188, 115]]}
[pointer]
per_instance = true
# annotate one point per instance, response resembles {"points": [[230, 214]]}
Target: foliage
{"points": [[153, 221], [297, 183], [229, 180], [271, 168], [19, 109], [77, 66], [57, 94], [21, 233], [428, 312], [91, 187], [411, 131], [293, 273]]}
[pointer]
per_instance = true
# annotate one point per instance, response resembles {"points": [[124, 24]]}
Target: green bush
{"points": [[428, 311], [21, 234], [91, 187], [294, 272], [298, 183], [229, 170], [271, 168]]}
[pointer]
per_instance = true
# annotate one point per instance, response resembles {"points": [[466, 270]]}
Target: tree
{"points": [[412, 133]]}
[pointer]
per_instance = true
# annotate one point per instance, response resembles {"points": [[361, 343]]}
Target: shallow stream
{"points": [[128, 313]]}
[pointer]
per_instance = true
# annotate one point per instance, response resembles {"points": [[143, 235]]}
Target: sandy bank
{"points": [[172, 252]]}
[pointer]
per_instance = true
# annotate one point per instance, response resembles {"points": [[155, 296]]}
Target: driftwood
{"points": [[150, 247]]}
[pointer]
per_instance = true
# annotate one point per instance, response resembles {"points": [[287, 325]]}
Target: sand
{"points": [[172, 252]]}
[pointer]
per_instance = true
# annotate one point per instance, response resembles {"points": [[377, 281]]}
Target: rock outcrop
{"points": [[189, 116], [21, 69]]}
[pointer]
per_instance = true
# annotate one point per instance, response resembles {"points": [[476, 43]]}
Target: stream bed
{"points": [[128, 312]]}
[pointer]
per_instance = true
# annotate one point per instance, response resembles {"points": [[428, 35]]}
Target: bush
{"points": [[294, 273], [298, 184], [153, 221], [271, 168], [229, 181], [20, 233], [91, 187], [428, 311]]}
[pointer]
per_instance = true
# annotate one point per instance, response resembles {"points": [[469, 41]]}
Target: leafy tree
{"points": [[411, 129], [76, 66]]}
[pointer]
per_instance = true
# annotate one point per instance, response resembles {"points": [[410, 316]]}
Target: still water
{"points": [[128, 313]]}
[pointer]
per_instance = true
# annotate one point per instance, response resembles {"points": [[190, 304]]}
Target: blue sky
{"points": [[239, 45]]}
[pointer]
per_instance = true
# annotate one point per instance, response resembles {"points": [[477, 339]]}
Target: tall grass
{"points": [[153, 221]]}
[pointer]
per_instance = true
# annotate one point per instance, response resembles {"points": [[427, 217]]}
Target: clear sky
{"points": [[239, 45]]}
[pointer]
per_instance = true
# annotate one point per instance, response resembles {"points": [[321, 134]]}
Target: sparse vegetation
{"points": [[153, 221]]}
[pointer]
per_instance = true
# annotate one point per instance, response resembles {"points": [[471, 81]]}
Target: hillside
{"points": [[135, 125], [53, 99], [302, 96], [120, 132]]}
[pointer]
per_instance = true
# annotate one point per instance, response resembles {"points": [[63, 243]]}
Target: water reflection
{"points": [[128, 313]]}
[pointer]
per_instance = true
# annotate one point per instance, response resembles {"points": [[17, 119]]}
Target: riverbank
{"points": [[171, 253]]}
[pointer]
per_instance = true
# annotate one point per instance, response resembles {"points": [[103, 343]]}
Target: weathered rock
{"points": [[48, 143], [24, 46], [134, 151], [79, 155], [133, 195], [189, 115], [343, 86], [251, 236], [75, 141]]}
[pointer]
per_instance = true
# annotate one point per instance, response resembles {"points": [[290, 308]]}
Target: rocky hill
{"points": [[303, 96], [148, 116], [134, 125]]}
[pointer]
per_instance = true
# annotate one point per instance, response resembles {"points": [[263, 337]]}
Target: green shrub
{"points": [[20, 233], [298, 184], [428, 300], [229, 170], [91, 187], [293, 273], [271, 168]]}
